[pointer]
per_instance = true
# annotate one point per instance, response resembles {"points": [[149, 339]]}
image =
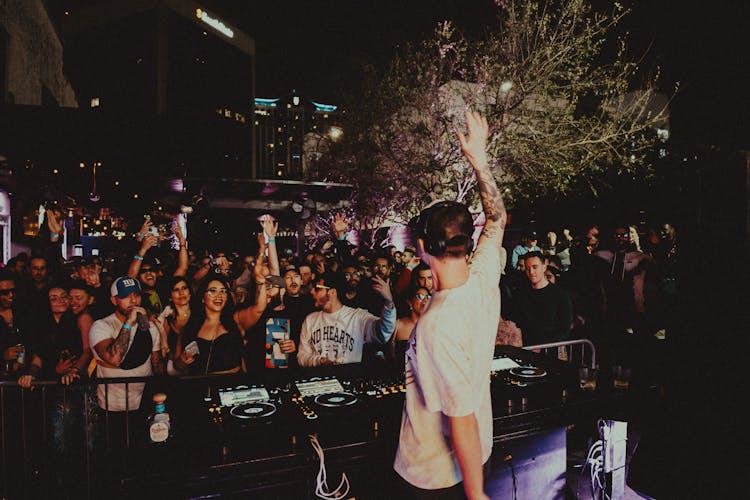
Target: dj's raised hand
{"points": [[474, 143]]}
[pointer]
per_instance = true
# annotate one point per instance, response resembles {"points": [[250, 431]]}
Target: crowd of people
{"points": [[224, 312], [150, 309]]}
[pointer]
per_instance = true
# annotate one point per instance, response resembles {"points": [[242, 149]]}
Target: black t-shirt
{"points": [[544, 315], [57, 339]]}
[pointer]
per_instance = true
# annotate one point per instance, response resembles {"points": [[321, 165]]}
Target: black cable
{"points": [[507, 457]]}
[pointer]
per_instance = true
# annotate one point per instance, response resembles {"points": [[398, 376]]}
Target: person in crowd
{"points": [[336, 334], [306, 275], [296, 304], [417, 298], [173, 318], [35, 287], [147, 268], [623, 282], [635, 238], [267, 316], [446, 429], [81, 300], [543, 311], [123, 347], [59, 343], [528, 244], [17, 329], [355, 295], [211, 342], [553, 271], [90, 271]]}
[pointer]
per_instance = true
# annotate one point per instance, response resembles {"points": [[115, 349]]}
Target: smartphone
{"points": [[192, 348]]}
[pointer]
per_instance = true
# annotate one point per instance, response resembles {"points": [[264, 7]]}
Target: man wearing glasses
{"points": [[623, 282], [15, 329], [354, 295], [336, 334]]}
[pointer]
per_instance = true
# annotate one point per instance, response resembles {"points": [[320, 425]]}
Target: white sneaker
{"points": [[661, 334]]}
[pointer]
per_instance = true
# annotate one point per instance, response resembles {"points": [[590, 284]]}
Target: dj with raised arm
{"points": [[446, 428], [337, 333]]}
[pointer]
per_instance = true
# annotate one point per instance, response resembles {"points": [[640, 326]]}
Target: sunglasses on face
{"points": [[216, 291], [147, 270], [8, 291], [622, 235], [350, 275], [421, 296]]}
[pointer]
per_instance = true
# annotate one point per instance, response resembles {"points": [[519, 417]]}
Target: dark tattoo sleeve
{"points": [[119, 347], [157, 363], [492, 203]]}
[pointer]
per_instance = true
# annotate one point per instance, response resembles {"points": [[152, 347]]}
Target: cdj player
{"points": [[245, 405]]}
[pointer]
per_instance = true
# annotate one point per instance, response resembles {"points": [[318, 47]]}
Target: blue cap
{"points": [[124, 286]]}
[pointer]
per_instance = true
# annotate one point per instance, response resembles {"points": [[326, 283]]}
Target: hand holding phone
{"points": [[192, 348]]}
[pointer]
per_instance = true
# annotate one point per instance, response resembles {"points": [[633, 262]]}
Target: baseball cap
{"points": [[276, 281], [289, 268], [124, 286], [152, 260]]}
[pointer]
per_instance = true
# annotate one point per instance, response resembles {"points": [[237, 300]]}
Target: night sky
{"points": [[319, 46]]}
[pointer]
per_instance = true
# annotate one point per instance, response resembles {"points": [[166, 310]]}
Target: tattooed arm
{"points": [[474, 146], [112, 351]]}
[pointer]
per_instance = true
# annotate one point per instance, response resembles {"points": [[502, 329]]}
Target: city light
{"points": [[214, 23], [335, 133]]}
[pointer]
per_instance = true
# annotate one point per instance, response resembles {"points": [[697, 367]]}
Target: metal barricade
{"points": [[56, 441], [569, 351]]}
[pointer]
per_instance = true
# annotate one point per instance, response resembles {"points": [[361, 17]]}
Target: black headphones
{"points": [[435, 244]]}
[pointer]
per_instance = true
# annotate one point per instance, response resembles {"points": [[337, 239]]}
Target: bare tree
{"points": [[563, 115]]}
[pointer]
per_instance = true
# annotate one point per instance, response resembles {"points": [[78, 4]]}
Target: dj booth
{"points": [[250, 437]]}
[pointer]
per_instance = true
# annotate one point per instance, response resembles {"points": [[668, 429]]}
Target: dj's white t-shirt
{"points": [[448, 364]]}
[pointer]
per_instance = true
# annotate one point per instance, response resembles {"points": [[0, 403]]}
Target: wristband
{"points": [[126, 326], [139, 236], [271, 240], [54, 235], [137, 257], [342, 237]]}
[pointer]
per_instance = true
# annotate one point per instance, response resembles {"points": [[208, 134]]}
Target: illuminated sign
{"points": [[214, 23], [266, 102], [324, 107]]}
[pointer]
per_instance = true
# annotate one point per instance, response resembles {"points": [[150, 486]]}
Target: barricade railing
{"points": [[52, 429], [566, 351]]}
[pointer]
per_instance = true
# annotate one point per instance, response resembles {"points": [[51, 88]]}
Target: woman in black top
{"points": [[213, 329]]}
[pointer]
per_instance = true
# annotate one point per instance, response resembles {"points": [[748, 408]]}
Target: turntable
{"points": [[531, 372], [250, 411], [247, 404], [336, 399], [323, 394]]}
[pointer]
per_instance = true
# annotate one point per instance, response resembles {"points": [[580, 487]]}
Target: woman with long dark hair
{"points": [[211, 342], [174, 318]]}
